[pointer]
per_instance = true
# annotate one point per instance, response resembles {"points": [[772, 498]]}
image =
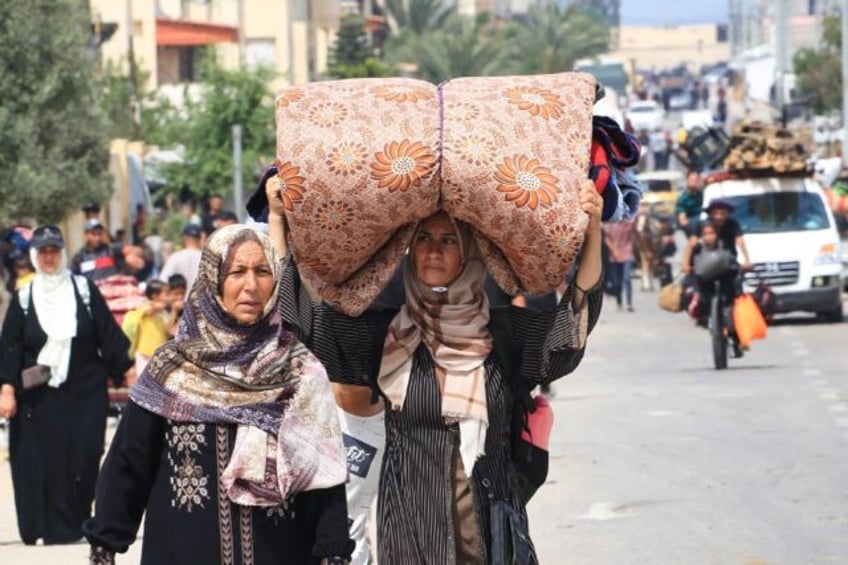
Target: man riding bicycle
{"points": [[722, 232]]}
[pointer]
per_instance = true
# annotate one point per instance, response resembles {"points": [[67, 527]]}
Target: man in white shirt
{"points": [[186, 261]]}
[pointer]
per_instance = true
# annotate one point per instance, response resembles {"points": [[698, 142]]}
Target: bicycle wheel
{"points": [[719, 339]]}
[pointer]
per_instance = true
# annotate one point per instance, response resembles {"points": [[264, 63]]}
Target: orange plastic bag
{"points": [[748, 320]]}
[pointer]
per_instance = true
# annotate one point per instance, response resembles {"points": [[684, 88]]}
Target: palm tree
{"points": [[417, 16], [550, 39], [463, 47]]}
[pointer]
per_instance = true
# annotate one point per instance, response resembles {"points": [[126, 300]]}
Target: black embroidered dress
{"points": [[173, 469]]}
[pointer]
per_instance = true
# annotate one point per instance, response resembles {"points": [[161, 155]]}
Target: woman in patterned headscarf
{"points": [[436, 363], [231, 442]]}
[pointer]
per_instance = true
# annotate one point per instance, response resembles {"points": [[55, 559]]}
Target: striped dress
{"points": [[416, 498]]}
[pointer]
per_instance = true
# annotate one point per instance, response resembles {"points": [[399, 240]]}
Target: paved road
{"points": [[658, 459]]}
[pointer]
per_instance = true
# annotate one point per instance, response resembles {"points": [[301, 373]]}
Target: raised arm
{"points": [[551, 343], [348, 347], [276, 216], [589, 273]]}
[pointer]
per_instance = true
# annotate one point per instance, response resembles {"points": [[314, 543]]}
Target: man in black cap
{"points": [[91, 211], [729, 233], [730, 238], [97, 260], [186, 261], [226, 218]]}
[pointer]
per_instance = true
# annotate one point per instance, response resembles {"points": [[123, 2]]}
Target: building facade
{"points": [[795, 23], [662, 47], [166, 38]]}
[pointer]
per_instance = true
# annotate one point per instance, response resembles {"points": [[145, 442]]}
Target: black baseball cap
{"points": [[192, 230], [47, 236]]}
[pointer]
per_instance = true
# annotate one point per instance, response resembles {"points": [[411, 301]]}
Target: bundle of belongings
{"points": [[751, 149], [121, 293], [767, 148], [360, 162]]}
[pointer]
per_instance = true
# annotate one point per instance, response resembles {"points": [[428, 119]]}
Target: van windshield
{"points": [[780, 212]]}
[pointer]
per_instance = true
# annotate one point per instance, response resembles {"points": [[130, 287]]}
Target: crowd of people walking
{"points": [[232, 432], [264, 420]]}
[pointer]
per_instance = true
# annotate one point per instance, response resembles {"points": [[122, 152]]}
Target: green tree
{"points": [[819, 71], [462, 47], [551, 38], [122, 107], [418, 16], [229, 97], [53, 143], [351, 57]]}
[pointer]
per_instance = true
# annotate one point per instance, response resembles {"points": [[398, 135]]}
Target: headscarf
{"points": [[56, 303], [453, 323], [257, 376]]}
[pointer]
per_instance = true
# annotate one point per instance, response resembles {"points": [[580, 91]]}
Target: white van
{"points": [[792, 241]]}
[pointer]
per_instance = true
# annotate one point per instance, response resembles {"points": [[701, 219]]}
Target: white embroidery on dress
{"points": [[189, 483]]}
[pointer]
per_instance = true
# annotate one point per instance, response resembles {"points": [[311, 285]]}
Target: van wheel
{"points": [[835, 316]]}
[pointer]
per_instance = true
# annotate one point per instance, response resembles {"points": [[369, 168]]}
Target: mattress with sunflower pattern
{"points": [[361, 161]]}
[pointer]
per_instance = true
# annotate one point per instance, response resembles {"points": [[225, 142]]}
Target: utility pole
{"points": [[133, 72], [844, 82], [781, 41], [238, 183], [733, 25]]}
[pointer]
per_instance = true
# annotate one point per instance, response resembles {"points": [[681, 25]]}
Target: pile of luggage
{"points": [[768, 149], [121, 293], [752, 149]]}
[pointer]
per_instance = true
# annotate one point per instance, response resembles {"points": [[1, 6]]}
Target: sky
{"points": [[660, 12]]}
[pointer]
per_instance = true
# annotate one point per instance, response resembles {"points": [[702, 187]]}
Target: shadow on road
{"points": [[796, 321], [731, 369]]}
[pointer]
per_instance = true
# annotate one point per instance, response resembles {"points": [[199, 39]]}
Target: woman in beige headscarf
{"points": [[436, 365]]}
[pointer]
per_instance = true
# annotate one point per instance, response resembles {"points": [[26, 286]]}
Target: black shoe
{"points": [[737, 351]]}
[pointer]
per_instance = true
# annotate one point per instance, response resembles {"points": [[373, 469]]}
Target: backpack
{"points": [[81, 284]]}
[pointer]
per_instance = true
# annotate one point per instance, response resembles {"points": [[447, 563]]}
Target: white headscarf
{"points": [[56, 303]]}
